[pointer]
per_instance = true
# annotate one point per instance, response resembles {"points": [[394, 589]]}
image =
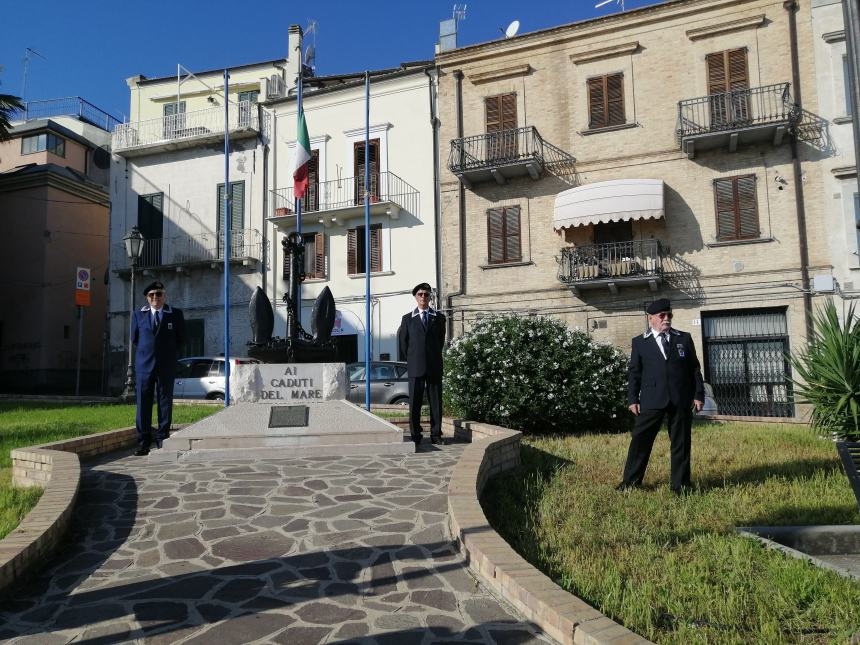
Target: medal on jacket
{"points": [[680, 349]]}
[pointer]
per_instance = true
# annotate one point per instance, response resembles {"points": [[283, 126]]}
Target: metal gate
{"points": [[746, 362]]}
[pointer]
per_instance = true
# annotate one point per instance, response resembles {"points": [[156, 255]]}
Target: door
{"points": [[174, 120], [193, 345], [500, 114], [355, 376], [358, 165], [727, 81], [383, 379], [247, 107], [150, 222]]}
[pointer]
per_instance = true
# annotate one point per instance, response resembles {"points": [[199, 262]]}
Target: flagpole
{"points": [[299, 199], [227, 223], [368, 326]]}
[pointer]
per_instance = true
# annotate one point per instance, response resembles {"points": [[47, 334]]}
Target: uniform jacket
{"points": [[157, 350], [654, 381], [422, 349]]}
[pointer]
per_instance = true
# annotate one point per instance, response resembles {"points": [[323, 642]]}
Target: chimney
{"points": [[294, 55]]}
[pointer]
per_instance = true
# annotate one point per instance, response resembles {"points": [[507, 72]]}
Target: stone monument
{"points": [[293, 404]]}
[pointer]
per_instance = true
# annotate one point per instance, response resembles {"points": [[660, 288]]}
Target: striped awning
{"points": [[609, 201]]}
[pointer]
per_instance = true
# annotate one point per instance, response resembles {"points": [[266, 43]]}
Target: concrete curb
{"points": [[560, 614]]}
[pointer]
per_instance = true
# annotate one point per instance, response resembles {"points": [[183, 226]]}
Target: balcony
{"points": [[185, 252], [336, 202], [612, 265], [507, 154], [185, 130], [736, 118], [73, 106]]}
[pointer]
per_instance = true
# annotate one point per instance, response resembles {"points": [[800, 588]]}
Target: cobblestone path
{"points": [[311, 550]]}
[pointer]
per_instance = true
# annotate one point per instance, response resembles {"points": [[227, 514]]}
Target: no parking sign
{"points": [[83, 278]]}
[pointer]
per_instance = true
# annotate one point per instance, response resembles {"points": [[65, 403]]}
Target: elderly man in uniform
{"points": [[158, 330], [664, 381]]}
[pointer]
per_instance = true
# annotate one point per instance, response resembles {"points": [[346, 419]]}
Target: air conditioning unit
{"points": [[275, 87]]}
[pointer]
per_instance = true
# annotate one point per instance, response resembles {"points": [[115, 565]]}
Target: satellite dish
{"points": [[101, 158], [310, 55], [512, 29]]}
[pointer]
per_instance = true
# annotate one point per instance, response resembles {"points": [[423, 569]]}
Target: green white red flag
{"points": [[302, 158]]}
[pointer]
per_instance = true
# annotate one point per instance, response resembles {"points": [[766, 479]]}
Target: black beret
{"points": [[153, 286], [418, 288], [661, 304]]}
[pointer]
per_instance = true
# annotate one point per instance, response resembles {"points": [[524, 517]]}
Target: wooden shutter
{"points": [[495, 235], [615, 99], [376, 247], [311, 201], [373, 156], [500, 112], [717, 82], [513, 247], [737, 208], [606, 101], [286, 266], [727, 72], [319, 255], [596, 103], [352, 251]]}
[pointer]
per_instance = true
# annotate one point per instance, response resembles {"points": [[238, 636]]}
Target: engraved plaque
{"points": [[288, 416]]}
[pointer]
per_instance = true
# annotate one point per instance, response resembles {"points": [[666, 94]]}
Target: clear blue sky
{"points": [[93, 46]]}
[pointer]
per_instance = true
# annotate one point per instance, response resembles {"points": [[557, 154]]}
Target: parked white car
{"points": [[202, 377]]}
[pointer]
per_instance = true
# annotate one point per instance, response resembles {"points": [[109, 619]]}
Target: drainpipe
{"points": [[851, 14], [462, 214], [791, 7], [437, 216], [264, 260]]}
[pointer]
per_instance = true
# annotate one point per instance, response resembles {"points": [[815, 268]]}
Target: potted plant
{"points": [[282, 210]]}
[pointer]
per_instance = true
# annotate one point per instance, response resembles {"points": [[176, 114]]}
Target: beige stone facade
{"points": [[661, 53]]}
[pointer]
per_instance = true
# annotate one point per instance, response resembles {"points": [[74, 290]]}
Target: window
{"points": [[150, 221], [606, 101], [174, 119], [727, 72], [736, 207], [355, 258], [847, 85], [382, 372], [247, 109], [200, 368], [47, 141], [503, 235], [500, 119], [373, 156], [237, 218], [314, 257], [250, 96], [311, 202], [194, 335]]}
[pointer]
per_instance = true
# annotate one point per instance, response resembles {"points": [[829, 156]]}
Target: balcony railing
{"points": [[737, 110], [67, 106], [185, 126], [506, 153], [348, 193], [635, 262], [186, 250]]}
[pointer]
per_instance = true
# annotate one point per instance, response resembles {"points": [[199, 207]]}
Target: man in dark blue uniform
{"points": [[158, 330], [664, 380], [420, 340]]}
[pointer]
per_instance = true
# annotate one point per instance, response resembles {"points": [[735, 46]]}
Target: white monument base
{"points": [[334, 427]]}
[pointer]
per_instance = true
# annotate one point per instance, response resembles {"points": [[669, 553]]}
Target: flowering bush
{"points": [[535, 375]]}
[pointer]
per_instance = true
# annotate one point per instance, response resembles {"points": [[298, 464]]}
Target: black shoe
{"points": [[437, 441], [626, 486], [141, 452]]}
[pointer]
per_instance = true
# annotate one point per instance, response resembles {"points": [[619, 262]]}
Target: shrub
{"points": [[535, 375], [829, 370]]}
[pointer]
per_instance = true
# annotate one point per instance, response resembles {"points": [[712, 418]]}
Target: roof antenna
{"points": [[512, 29], [606, 2], [311, 50], [27, 53]]}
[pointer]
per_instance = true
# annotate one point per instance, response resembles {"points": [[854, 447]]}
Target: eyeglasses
{"points": [[663, 314], [422, 294], [155, 294]]}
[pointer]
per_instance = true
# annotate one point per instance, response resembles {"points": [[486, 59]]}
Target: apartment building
{"points": [[595, 166], [54, 210]]}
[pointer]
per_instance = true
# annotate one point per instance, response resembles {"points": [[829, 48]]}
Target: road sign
{"points": [[83, 278]]}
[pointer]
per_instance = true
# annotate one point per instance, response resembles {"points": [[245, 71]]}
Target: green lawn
{"points": [[27, 424], [672, 569]]}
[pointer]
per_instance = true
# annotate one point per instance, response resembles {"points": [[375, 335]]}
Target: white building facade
{"points": [[403, 232]]}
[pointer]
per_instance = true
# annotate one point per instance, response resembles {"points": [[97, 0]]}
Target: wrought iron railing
{"points": [[507, 147], [185, 125], [186, 250], [736, 110], [610, 260], [346, 192], [67, 106]]}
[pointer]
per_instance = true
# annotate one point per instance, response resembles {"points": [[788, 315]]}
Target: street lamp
{"points": [[133, 241]]}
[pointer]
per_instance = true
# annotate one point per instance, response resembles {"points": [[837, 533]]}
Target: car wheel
{"points": [[215, 396], [401, 400]]}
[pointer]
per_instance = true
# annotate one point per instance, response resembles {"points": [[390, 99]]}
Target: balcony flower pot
{"points": [[282, 211]]}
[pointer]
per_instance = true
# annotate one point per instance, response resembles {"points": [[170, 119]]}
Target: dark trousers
{"points": [[645, 431], [417, 386], [160, 387]]}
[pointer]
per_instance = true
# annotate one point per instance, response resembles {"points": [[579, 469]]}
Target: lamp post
{"points": [[134, 249]]}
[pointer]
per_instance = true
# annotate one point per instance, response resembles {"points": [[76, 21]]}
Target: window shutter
{"points": [[725, 206], [286, 267], [716, 73], [508, 111], [495, 236], [311, 201], [373, 156], [596, 103], [736, 64], [513, 246], [351, 251], [319, 255], [748, 226], [615, 99], [237, 206], [493, 114], [376, 248]]}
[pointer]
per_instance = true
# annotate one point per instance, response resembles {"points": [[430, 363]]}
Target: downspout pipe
{"points": [[791, 7], [851, 14], [437, 216], [461, 290]]}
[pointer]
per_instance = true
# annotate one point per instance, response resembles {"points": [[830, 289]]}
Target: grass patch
{"points": [[28, 424], [672, 569]]}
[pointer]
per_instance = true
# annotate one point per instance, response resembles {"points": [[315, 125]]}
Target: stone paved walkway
{"points": [[313, 550]]}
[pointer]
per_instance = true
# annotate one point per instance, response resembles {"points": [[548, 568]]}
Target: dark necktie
{"points": [[157, 320], [424, 318], [664, 341]]}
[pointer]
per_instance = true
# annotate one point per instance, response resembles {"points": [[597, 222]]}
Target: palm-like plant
{"points": [[8, 106], [829, 371]]}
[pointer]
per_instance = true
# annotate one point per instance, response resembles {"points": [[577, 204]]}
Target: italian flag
{"points": [[303, 156]]}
